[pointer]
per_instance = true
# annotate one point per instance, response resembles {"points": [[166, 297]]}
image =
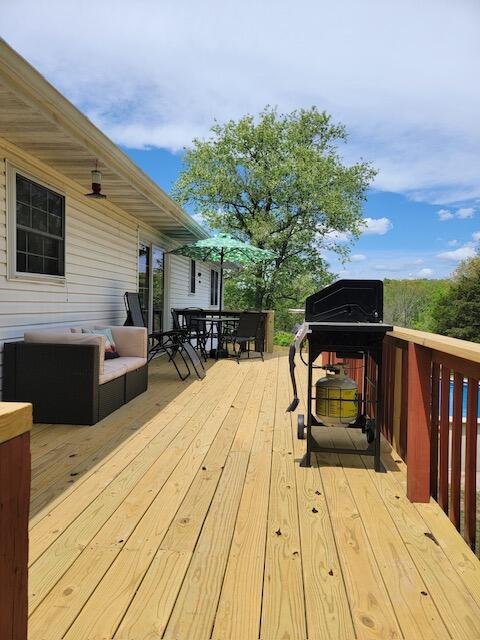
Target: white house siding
{"points": [[100, 262], [179, 284]]}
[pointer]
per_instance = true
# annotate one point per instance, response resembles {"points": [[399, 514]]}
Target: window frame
{"points": [[214, 284], [11, 221], [193, 276]]}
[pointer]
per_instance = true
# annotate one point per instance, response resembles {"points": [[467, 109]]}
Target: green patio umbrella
{"points": [[223, 249]]}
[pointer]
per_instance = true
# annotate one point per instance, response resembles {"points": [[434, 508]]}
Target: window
{"points": [[193, 281], [213, 288], [40, 229]]}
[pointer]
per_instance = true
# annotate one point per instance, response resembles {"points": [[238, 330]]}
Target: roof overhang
{"points": [[35, 117]]}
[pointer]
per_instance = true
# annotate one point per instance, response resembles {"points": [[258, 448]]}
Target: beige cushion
{"points": [[112, 369], [52, 336], [130, 341], [119, 366]]}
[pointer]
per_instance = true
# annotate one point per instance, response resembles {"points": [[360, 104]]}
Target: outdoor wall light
{"points": [[96, 184]]}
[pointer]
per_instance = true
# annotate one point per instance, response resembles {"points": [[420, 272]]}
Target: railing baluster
{"points": [[419, 404], [444, 437], [386, 391], [404, 407], [456, 449], [470, 517], [434, 431]]}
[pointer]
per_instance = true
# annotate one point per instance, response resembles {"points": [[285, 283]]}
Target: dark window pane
{"points": [[39, 220], [23, 215], [21, 240], [34, 264], [51, 266], [35, 244], [55, 203], [50, 247], [39, 212], [23, 190], [54, 225], [39, 197], [21, 261]]}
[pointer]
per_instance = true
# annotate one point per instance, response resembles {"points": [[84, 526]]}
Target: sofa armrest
{"points": [[131, 341], [79, 339], [60, 380]]}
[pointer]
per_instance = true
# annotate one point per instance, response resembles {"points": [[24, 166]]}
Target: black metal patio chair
{"points": [[246, 331], [171, 343], [197, 329]]}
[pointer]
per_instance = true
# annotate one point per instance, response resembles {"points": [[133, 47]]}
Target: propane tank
{"points": [[336, 398]]}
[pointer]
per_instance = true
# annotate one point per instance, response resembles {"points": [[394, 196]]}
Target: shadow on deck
{"points": [[185, 515]]}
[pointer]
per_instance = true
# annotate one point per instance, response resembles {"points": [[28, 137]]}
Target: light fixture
{"points": [[96, 184]]}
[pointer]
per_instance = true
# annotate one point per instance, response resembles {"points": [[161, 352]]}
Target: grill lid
{"points": [[347, 301]]}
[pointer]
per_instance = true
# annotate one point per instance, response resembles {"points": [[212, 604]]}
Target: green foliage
{"points": [[456, 312], [283, 338], [277, 181], [409, 303]]}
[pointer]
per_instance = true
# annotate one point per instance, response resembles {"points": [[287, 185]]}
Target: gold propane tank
{"points": [[336, 398]]}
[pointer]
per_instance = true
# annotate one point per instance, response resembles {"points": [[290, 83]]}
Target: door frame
{"points": [[151, 246]]}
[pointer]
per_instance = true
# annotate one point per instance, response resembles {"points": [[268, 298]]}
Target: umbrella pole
{"points": [[220, 305]]}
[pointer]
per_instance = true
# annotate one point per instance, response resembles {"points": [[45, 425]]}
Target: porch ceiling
{"points": [[39, 120]]}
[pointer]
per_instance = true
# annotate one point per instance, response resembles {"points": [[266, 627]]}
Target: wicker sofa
{"points": [[64, 374]]}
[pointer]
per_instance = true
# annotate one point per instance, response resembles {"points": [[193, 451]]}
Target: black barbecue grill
{"points": [[345, 319]]}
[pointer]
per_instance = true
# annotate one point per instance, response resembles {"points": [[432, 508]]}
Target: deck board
{"points": [[189, 517]]}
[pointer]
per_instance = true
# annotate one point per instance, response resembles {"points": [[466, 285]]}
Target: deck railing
{"points": [[430, 399], [15, 473]]}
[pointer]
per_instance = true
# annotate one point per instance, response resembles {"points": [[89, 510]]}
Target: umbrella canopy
{"points": [[222, 248]]}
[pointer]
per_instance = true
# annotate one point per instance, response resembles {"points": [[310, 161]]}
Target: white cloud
{"points": [[467, 251], [358, 257], [337, 236], [158, 73], [444, 214], [377, 226], [452, 243], [425, 273], [462, 214], [476, 236], [199, 218], [465, 212]]}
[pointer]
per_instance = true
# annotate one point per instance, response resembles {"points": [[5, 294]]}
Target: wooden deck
{"points": [[186, 515]]}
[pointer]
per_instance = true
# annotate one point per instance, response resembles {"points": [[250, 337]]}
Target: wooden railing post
{"points": [[269, 330], [15, 425], [418, 421]]}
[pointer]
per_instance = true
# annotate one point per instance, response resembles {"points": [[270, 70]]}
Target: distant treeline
{"points": [[413, 303], [449, 307]]}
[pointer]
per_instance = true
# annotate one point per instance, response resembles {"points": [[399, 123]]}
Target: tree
{"points": [[279, 182], [457, 312]]}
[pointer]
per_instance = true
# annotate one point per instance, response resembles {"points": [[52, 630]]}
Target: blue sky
{"points": [[409, 239], [402, 76]]}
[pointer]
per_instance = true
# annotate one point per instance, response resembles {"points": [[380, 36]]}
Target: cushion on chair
{"points": [[131, 341], [119, 367], [110, 348]]}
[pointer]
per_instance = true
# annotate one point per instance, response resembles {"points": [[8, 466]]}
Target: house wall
{"points": [[180, 295], [100, 262]]}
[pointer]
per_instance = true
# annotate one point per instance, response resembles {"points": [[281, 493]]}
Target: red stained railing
{"points": [[428, 380]]}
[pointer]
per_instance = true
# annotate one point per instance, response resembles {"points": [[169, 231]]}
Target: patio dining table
{"points": [[219, 321]]}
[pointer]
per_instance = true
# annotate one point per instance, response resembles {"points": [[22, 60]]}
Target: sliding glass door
{"points": [[157, 288], [151, 284], [144, 261]]}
